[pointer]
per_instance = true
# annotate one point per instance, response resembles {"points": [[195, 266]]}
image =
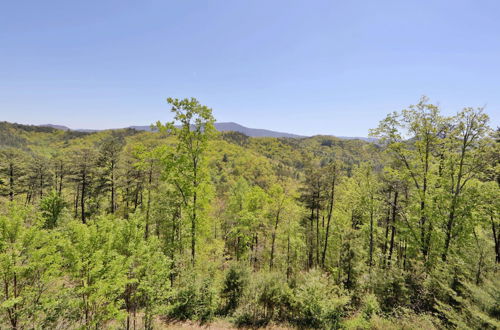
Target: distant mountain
{"points": [[367, 139], [230, 126], [66, 128], [253, 132], [61, 127], [227, 126]]}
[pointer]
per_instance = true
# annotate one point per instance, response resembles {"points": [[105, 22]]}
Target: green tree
{"points": [[52, 207], [147, 285], [414, 137], [196, 127], [96, 271], [107, 161], [13, 171], [83, 174], [30, 266], [463, 162]]}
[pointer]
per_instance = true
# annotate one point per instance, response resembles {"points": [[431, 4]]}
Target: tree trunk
{"points": [[273, 238], [146, 232], [386, 236], [423, 215], [193, 217], [11, 182], [112, 209], [193, 230], [77, 196], [311, 240], [317, 235], [255, 251], [456, 192], [288, 269], [393, 226], [61, 176], [447, 240], [41, 183], [329, 218], [370, 259], [496, 238], [82, 197]]}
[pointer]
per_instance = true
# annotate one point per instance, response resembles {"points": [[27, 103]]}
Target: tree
{"points": [[30, 266], [147, 271], [52, 207], [83, 172], [278, 196], [148, 155], [109, 151], [96, 272], [413, 138], [464, 161], [38, 177], [312, 196], [196, 127], [13, 169], [333, 173]]}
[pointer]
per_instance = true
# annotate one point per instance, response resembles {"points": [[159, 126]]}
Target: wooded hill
{"points": [[127, 228]]}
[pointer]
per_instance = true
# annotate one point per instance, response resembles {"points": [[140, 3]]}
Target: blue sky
{"points": [[306, 67]]}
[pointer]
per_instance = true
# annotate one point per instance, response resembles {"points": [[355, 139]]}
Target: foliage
{"points": [[52, 207], [127, 229], [234, 285], [30, 267]]}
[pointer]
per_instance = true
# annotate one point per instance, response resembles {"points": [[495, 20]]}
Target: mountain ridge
{"points": [[223, 127]]}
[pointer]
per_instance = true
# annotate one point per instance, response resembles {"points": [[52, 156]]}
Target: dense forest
{"points": [[127, 229]]}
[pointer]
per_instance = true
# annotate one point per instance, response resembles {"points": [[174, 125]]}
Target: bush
{"points": [[318, 303], [357, 322], [406, 320], [370, 306], [194, 299], [235, 282], [391, 290], [268, 298], [313, 302], [275, 297]]}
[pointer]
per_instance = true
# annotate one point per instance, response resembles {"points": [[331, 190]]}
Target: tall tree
{"points": [[196, 127], [312, 195], [83, 174], [464, 161], [332, 178], [13, 169], [413, 138], [278, 196], [109, 152]]}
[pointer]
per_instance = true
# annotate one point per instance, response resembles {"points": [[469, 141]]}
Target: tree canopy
{"points": [[132, 229]]}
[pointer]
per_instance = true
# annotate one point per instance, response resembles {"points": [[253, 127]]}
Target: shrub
{"points": [[318, 303], [268, 298], [391, 290], [406, 320], [275, 296], [194, 299], [235, 282], [370, 305]]}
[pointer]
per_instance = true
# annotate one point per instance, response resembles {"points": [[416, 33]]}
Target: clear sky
{"points": [[305, 67]]}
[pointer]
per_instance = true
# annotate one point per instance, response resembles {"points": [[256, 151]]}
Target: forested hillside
{"points": [[135, 229]]}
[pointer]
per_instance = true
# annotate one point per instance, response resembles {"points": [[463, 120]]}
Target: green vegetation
{"points": [[128, 229]]}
